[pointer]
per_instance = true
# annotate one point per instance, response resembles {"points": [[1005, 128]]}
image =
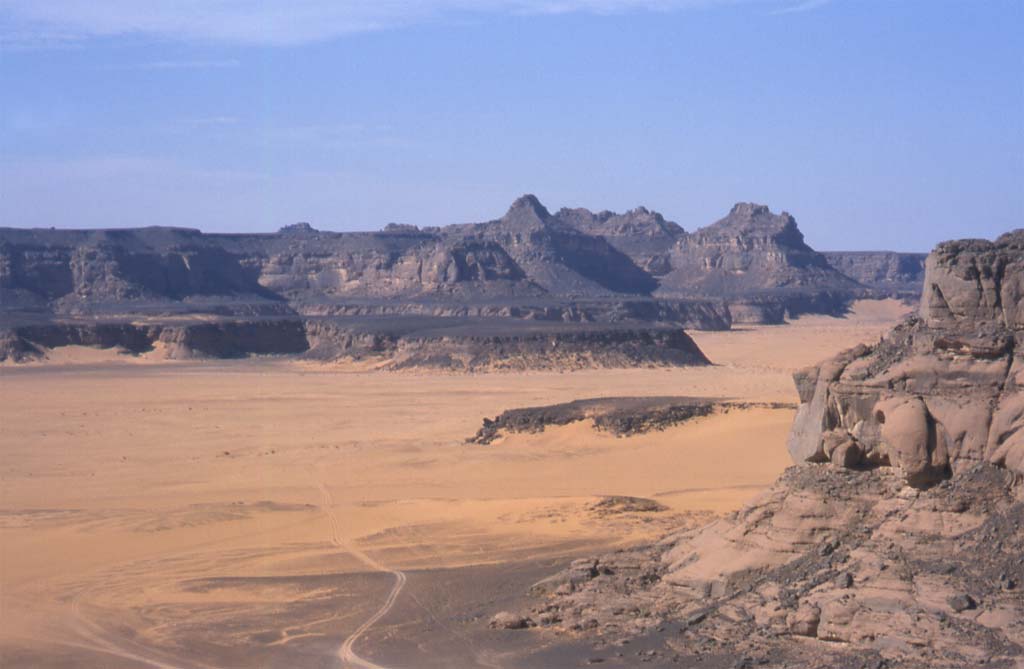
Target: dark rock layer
{"points": [[621, 416], [456, 344]]}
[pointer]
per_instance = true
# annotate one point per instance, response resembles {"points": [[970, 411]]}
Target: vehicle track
{"points": [[346, 652]]}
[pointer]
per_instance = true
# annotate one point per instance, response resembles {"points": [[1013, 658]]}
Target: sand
{"points": [[197, 514]]}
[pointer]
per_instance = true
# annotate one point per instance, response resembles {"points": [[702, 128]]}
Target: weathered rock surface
{"points": [[391, 343], [758, 261], [866, 571], [752, 264], [941, 392]]}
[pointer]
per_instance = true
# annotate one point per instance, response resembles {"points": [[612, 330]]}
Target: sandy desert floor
{"points": [[282, 514]]}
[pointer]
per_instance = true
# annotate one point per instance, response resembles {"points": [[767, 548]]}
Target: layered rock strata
{"points": [[941, 392], [390, 343]]}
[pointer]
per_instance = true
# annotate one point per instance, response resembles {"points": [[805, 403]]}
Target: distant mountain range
{"points": [[531, 289], [753, 261]]}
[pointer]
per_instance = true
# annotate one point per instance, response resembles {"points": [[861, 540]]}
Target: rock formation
{"points": [[895, 541], [886, 273], [455, 344], [635, 270], [621, 416], [645, 236], [758, 262], [941, 392], [749, 257]]}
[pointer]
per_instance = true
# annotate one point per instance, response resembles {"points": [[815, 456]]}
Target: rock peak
{"points": [[529, 203], [749, 210], [300, 228]]}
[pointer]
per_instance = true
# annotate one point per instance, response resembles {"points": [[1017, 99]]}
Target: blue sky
{"points": [[877, 123]]}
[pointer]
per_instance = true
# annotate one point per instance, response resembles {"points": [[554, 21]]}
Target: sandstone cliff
{"points": [[941, 392]]}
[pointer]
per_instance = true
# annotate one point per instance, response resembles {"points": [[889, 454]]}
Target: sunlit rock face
{"points": [[758, 261], [942, 391]]}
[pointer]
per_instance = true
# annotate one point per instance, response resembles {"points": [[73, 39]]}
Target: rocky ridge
{"points": [[527, 255], [451, 344], [633, 270]]}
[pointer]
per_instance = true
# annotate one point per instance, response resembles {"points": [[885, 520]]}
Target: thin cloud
{"points": [[176, 65], [284, 22], [806, 6], [186, 64]]}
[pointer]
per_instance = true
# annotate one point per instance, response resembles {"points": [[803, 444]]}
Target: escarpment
{"points": [[604, 271], [753, 265]]}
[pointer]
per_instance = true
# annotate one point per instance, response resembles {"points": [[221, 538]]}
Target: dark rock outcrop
{"points": [[454, 344], [643, 235], [621, 416]]}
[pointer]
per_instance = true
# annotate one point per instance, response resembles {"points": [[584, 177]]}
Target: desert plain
{"points": [[281, 513]]}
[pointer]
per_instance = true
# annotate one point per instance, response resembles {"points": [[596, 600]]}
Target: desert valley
{"points": [[548, 440]]}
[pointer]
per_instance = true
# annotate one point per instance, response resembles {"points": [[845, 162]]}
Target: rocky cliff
{"points": [[758, 261], [643, 235], [886, 273], [753, 263], [940, 393], [896, 541]]}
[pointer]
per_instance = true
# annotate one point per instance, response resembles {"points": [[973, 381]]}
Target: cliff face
{"points": [[753, 262], [749, 251], [448, 343], [941, 392], [645, 236], [886, 273]]}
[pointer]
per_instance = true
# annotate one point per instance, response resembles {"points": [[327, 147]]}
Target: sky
{"points": [[879, 124]]}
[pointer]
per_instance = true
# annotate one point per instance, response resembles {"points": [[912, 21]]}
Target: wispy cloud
{"points": [[287, 22], [184, 64], [805, 6]]}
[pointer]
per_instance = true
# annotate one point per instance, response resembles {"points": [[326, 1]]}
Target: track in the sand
{"points": [[346, 652]]}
